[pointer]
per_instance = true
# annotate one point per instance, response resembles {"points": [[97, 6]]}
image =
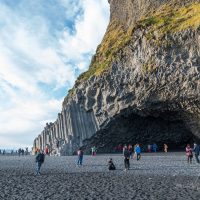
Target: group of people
{"points": [[189, 152], [152, 147], [3, 152], [22, 151], [80, 155], [128, 152], [18, 152]]}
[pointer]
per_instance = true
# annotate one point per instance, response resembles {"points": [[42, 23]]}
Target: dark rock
{"points": [[150, 93]]}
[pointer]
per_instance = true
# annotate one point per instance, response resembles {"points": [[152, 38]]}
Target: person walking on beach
{"points": [[126, 159], [165, 148], [93, 151], [196, 150], [189, 153], [138, 152], [111, 165], [39, 161], [80, 157]]}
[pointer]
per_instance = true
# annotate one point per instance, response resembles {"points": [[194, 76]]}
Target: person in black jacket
{"points": [[126, 159], [111, 165], [39, 161]]}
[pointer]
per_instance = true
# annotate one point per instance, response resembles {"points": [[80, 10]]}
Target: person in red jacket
{"points": [[189, 153], [46, 150]]}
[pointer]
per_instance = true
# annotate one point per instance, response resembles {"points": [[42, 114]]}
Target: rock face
{"points": [[143, 84]]}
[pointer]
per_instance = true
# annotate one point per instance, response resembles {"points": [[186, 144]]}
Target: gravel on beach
{"points": [[155, 176]]}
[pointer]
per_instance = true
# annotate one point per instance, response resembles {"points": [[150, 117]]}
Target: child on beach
{"points": [[111, 165], [189, 153]]}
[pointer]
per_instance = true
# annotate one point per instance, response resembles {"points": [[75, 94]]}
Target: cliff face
{"points": [[143, 84]]}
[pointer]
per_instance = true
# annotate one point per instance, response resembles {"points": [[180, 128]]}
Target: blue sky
{"points": [[44, 46]]}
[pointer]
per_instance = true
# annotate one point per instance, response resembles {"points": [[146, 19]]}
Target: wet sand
{"points": [[155, 176]]}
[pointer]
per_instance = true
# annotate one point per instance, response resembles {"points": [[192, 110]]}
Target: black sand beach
{"points": [[155, 176]]}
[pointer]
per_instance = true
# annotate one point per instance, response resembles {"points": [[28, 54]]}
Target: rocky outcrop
{"points": [[143, 84], [72, 126]]}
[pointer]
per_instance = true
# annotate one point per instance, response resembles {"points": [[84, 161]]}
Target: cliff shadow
{"points": [[130, 128]]}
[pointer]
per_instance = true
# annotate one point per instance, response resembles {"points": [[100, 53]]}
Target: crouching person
{"points": [[39, 161], [111, 165]]}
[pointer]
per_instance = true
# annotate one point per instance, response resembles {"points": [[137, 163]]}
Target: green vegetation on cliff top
{"points": [[114, 40], [172, 19], [166, 19]]}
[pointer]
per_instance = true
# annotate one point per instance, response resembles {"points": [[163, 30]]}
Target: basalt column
{"points": [[65, 132], [72, 127]]}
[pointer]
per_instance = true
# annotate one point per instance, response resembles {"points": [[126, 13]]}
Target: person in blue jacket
{"points": [[154, 147], [196, 150], [138, 152]]}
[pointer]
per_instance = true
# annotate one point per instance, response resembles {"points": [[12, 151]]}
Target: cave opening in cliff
{"points": [[159, 128]]}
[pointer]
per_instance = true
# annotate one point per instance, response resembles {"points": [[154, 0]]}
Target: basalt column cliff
{"points": [[143, 83]]}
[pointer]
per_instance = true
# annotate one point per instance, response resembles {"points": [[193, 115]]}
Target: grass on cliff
{"points": [[170, 18], [167, 19], [114, 40]]}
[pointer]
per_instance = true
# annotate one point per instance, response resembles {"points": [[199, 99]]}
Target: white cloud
{"points": [[90, 29], [41, 51]]}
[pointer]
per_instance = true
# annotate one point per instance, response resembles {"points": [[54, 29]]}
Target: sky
{"points": [[44, 46]]}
